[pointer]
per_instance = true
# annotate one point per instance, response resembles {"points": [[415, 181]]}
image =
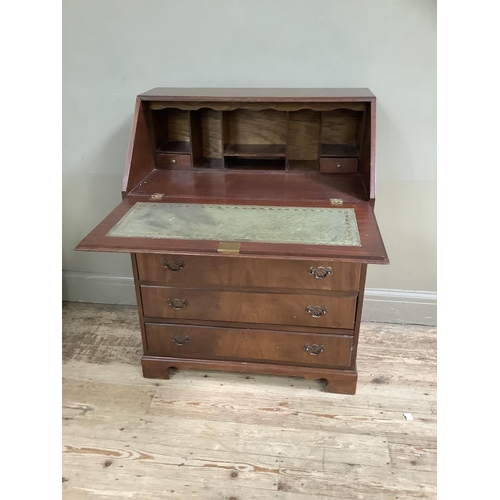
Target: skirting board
{"points": [[380, 305]]}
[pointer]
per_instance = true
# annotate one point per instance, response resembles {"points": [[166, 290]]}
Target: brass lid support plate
{"points": [[229, 247]]}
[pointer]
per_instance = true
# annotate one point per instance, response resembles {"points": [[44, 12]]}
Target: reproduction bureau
{"points": [[248, 214]]}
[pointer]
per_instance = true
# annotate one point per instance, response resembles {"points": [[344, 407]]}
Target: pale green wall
{"points": [[116, 49]]}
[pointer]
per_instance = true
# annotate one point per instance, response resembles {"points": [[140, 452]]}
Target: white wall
{"points": [[116, 49]]}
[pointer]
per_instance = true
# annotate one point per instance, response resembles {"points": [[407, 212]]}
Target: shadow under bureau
{"points": [[248, 214]]}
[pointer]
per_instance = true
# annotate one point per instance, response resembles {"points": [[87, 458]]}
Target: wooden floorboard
{"points": [[214, 435]]}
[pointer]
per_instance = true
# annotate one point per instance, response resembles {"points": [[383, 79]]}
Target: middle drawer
{"points": [[309, 309]]}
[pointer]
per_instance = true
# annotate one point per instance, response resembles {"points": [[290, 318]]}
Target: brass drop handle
{"points": [[320, 272], [177, 304], [314, 349], [173, 265], [316, 311], [180, 339]]}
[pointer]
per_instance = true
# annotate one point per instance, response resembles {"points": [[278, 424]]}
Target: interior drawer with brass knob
{"points": [[338, 165], [173, 161], [201, 342], [186, 270], [302, 309]]}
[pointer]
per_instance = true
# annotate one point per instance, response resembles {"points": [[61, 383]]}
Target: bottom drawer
{"points": [[200, 342]]}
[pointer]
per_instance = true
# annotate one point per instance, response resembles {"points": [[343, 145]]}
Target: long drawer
{"points": [[196, 342], [306, 309], [188, 270]]}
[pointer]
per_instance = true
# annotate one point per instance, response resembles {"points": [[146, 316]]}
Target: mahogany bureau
{"points": [[248, 214]]}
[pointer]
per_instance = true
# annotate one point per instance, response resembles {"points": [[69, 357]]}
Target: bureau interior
{"points": [[190, 149], [295, 139]]}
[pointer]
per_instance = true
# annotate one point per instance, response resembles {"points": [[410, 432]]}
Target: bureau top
{"points": [[258, 94], [209, 167]]}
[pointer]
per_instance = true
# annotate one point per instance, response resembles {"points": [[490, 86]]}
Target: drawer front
{"points": [[197, 342], [338, 165], [175, 270], [321, 311], [173, 161]]}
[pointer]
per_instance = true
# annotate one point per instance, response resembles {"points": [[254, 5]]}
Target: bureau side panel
{"points": [[139, 302], [359, 313], [140, 159]]}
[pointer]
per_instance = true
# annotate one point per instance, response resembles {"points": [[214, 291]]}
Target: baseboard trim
{"points": [[400, 306], [98, 288], [381, 305]]}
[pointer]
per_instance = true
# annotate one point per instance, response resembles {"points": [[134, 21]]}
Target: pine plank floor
{"points": [[223, 436]]}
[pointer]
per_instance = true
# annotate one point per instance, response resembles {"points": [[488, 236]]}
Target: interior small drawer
{"points": [[199, 342], [338, 165], [186, 270], [173, 161], [302, 309]]}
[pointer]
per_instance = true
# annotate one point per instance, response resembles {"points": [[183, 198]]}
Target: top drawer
{"points": [[178, 270]]}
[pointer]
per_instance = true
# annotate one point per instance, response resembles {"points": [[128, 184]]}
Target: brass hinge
{"points": [[229, 247], [336, 201], [157, 196]]}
